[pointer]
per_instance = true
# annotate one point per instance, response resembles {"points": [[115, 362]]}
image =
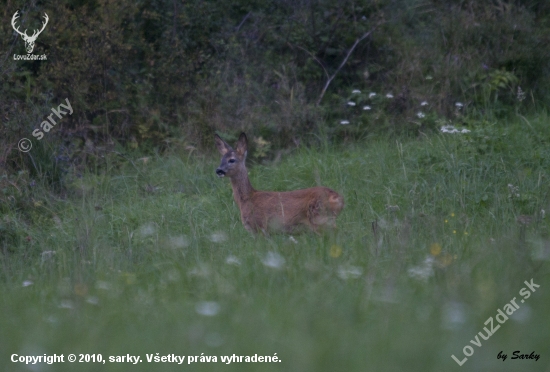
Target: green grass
{"points": [[141, 251]]}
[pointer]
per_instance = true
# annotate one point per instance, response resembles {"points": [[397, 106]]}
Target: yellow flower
{"points": [[335, 251], [445, 260], [452, 214], [435, 249], [80, 289], [465, 232], [446, 221], [129, 277], [454, 231]]}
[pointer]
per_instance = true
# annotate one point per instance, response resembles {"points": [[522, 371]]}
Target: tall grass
{"points": [[151, 257]]}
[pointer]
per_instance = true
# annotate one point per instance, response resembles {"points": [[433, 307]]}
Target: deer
{"points": [[314, 208], [29, 40]]}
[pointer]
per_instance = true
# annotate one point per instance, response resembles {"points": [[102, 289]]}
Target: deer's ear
{"points": [[223, 147], [242, 145]]}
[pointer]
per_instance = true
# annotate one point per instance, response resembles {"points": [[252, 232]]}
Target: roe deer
{"points": [[271, 210]]}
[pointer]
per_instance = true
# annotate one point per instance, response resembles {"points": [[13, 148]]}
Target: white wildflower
{"points": [[452, 129], [47, 254], [459, 105], [26, 283], [422, 271], [389, 95], [92, 300], [371, 94], [180, 241], [356, 91], [66, 304], [453, 315], [232, 260], [514, 190], [344, 122], [392, 208], [293, 240], [207, 308], [424, 103], [420, 114], [147, 229], [349, 272], [366, 108], [200, 271], [273, 260], [100, 284], [522, 314], [351, 103], [521, 94], [218, 237]]}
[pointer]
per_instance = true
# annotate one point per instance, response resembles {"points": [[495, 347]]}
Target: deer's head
{"points": [[232, 160], [29, 40]]}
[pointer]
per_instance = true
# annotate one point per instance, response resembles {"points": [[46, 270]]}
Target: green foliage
{"points": [[438, 232], [487, 89], [149, 74]]}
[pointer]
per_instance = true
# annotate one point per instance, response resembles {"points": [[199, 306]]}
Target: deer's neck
{"points": [[242, 188]]}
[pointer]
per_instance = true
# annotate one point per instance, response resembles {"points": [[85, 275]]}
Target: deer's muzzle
{"points": [[220, 172]]}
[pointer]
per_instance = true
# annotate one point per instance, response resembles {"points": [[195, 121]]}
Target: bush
{"points": [[150, 74]]}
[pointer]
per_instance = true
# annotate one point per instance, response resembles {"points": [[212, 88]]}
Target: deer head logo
{"points": [[29, 40]]}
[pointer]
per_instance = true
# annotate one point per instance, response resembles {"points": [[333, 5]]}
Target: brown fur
{"points": [[265, 211]]}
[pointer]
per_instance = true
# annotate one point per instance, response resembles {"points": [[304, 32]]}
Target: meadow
{"points": [[149, 256]]}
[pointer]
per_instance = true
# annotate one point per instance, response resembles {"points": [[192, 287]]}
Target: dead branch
{"points": [[342, 64]]}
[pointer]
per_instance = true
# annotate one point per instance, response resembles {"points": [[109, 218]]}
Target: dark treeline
{"points": [[155, 73]]}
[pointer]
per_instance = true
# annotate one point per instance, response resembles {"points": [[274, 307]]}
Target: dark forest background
{"points": [[153, 75]]}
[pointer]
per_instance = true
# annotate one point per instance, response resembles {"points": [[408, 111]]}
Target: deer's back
{"points": [[313, 207]]}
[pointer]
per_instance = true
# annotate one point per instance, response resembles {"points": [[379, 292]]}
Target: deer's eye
{"points": [[231, 160]]}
